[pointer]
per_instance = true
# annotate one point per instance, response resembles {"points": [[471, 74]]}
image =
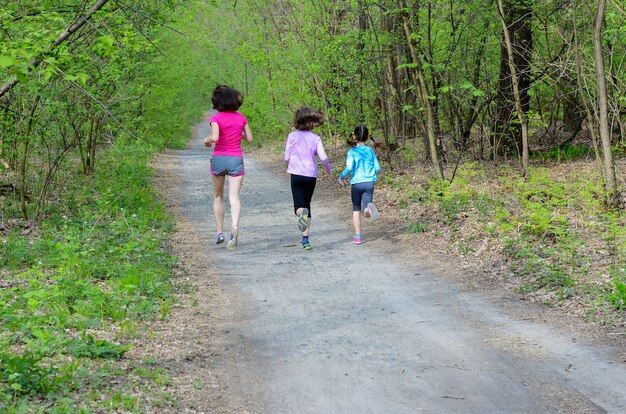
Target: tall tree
{"points": [[614, 198], [515, 83], [423, 94], [507, 133]]}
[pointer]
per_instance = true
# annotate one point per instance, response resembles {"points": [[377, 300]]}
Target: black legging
{"points": [[302, 189]]}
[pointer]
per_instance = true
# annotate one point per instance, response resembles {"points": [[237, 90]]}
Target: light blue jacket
{"points": [[362, 163]]}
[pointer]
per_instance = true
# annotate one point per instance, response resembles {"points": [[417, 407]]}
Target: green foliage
{"points": [[451, 205], [538, 220], [96, 262], [79, 281], [567, 153], [617, 292], [618, 297], [620, 149], [452, 199], [541, 198], [88, 347], [23, 375], [172, 101], [94, 259], [419, 227]]}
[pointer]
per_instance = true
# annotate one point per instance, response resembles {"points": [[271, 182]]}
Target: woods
{"points": [[506, 116], [89, 96], [448, 73], [435, 79]]}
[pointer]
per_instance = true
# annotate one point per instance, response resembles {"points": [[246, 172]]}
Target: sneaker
{"points": [[232, 243], [303, 220], [373, 211], [307, 246], [356, 240], [220, 238]]}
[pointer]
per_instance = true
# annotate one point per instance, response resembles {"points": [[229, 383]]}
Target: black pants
{"points": [[302, 189]]}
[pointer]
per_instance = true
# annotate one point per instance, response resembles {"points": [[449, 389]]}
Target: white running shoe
{"points": [[232, 243], [373, 211]]}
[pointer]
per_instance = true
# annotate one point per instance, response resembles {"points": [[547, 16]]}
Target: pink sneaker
{"points": [[356, 240]]}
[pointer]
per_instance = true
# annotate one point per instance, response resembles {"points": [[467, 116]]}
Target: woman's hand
{"points": [[208, 142]]}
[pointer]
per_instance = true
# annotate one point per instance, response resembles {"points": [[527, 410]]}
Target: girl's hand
{"points": [[342, 182], [207, 142]]}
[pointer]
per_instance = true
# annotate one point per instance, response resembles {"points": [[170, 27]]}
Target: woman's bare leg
{"points": [[234, 188], [218, 202]]}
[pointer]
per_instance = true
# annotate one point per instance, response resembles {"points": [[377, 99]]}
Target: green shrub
{"points": [[419, 227], [567, 153], [618, 297]]}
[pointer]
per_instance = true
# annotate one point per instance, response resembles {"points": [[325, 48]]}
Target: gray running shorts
{"points": [[227, 165]]}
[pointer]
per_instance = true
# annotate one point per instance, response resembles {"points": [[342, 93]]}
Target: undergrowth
{"points": [[569, 152], [75, 290], [559, 241]]}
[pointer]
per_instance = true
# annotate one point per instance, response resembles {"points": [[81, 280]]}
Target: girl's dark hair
{"points": [[307, 118], [226, 98], [361, 134]]}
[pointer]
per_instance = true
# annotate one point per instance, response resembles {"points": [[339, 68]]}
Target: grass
{"points": [[76, 291]]}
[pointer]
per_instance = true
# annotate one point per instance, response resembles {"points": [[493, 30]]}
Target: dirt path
{"points": [[270, 328]]}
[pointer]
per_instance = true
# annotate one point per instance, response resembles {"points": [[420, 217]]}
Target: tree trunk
{"points": [[52, 171], [24, 159], [422, 91], [361, 47], [4, 118], [581, 92], [507, 135], [612, 193], [392, 90], [94, 127], [473, 110], [78, 140], [435, 78], [573, 113], [517, 97]]}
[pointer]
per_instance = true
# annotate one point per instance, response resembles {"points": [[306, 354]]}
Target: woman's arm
{"points": [[247, 133], [215, 135]]}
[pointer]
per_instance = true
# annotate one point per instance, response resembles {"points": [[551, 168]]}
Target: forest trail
{"points": [[271, 328]]}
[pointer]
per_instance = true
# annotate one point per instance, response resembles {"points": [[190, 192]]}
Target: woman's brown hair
{"points": [[226, 98]]}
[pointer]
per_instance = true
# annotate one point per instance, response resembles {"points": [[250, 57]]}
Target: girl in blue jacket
{"points": [[363, 166]]}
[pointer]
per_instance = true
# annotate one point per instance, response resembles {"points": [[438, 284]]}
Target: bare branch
{"points": [[151, 19], [139, 30], [86, 92]]}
